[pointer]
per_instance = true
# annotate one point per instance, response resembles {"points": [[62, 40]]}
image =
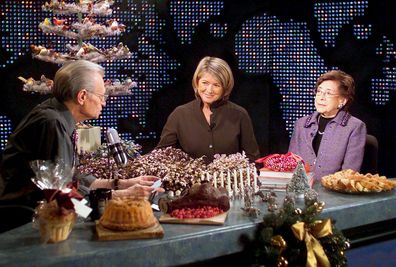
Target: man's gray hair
{"points": [[73, 77]]}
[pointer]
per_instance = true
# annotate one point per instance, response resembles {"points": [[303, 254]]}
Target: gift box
{"points": [[89, 139]]}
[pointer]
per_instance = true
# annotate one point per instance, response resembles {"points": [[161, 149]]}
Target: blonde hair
{"points": [[219, 69]]}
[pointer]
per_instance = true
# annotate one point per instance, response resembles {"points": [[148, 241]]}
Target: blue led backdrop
{"points": [[276, 48]]}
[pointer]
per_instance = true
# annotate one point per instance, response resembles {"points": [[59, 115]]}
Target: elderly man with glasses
{"points": [[47, 133]]}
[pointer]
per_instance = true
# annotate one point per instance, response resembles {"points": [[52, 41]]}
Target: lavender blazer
{"points": [[342, 145]]}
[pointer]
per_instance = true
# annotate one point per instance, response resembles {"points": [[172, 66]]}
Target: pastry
{"points": [[55, 223], [127, 214], [355, 182]]}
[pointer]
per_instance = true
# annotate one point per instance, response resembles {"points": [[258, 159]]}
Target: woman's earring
{"points": [[340, 106]]}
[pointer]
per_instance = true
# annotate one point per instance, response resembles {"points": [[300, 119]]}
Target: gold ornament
{"points": [[322, 204], [278, 242], [315, 253], [282, 262], [319, 206]]}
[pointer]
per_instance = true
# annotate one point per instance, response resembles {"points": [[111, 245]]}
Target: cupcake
{"points": [[55, 223]]}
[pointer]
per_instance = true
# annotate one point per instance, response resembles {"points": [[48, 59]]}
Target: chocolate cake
{"points": [[198, 195]]}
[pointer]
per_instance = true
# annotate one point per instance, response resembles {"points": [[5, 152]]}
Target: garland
{"points": [[292, 236]]}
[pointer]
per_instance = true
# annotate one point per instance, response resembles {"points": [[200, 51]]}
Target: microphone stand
{"points": [[113, 172], [109, 165], [108, 159], [113, 175]]}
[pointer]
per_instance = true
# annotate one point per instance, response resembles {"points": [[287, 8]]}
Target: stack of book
{"points": [[272, 180], [277, 181]]}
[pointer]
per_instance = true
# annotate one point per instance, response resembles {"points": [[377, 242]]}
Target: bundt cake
{"points": [[127, 214]]}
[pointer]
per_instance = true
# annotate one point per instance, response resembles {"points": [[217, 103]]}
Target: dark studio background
{"points": [[257, 92]]}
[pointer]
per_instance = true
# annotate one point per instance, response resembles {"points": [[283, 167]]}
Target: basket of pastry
{"points": [[349, 181], [57, 214]]}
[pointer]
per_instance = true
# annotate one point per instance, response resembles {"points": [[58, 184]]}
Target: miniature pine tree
{"points": [[299, 181]]}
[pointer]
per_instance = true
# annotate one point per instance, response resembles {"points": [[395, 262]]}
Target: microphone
{"points": [[115, 147]]}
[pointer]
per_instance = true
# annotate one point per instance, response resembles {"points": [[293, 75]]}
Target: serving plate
{"points": [[215, 220], [356, 192]]}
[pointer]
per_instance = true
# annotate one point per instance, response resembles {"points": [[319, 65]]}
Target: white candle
{"points": [[255, 181], [207, 176], [215, 179], [235, 182], [229, 182], [202, 177], [222, 179], [248, 175], [241, 179]]}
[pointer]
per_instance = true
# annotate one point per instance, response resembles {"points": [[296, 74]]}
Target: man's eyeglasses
{"points": [[325, 93], [103, 97]]}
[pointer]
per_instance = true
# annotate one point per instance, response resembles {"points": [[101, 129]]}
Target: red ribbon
{"points": [[63, 199]]}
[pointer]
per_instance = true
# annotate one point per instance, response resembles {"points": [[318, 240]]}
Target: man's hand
{"points": [[140, 186], [145, 180], [137, 190]]}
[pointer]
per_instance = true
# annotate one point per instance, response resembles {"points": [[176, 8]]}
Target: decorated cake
{"points": [[42, 86], [200, 201], [86, 51], [127, 214], [86, 27], [83, 6]]}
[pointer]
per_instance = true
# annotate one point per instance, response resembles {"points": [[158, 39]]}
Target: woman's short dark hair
{"points": [[346, 84]]}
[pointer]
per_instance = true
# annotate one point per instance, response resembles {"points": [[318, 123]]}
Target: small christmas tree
{"points": [[299, 181]]}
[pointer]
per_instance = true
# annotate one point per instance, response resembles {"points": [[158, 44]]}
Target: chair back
{"points": [[370, 158]]}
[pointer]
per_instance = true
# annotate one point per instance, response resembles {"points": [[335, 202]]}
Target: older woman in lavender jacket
{"points": [[330, 139]]}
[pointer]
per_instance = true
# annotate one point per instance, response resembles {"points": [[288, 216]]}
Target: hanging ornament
{"points": [[278, 242], [282, 262]]}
